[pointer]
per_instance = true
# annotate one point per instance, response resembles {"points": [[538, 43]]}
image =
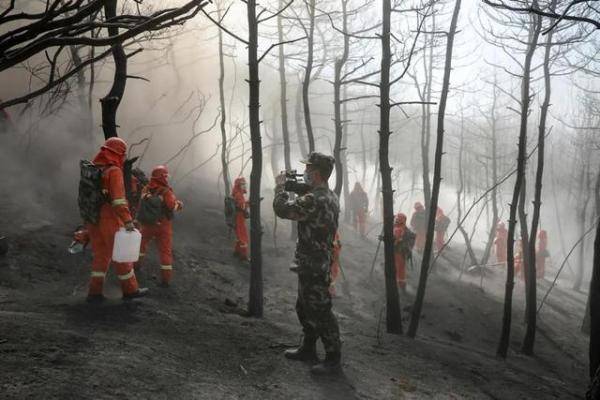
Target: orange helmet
{"points": [[115, 145], [419, 206], [160, 171]]}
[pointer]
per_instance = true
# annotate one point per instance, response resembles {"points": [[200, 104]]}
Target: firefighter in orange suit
{"points": [[241, 214], [500, 243], [114, 214], [162, 230]]}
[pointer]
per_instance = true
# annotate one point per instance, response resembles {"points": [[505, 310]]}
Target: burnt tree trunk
{"points": [[531, 307], [426, 118], [512, 222], [110, 103], [393, 313], [337, 105], [437, 177], [224, 161], [494, 194], [298, 120], [307, 76], [255, 301], [285, 131], [459, 191]]}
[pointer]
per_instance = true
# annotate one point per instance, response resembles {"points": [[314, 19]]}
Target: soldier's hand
{"points": [[280, 179]]}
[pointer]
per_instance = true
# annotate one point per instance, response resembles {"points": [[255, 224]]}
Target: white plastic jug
{"points": [[127, 246]]}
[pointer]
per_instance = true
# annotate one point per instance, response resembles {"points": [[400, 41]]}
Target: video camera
{"points": [[295, 183]]}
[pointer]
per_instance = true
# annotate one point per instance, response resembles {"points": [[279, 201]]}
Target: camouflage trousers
{"points": [[313, 308]]}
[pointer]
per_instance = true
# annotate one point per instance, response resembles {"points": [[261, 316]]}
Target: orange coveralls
{"points": [[418, 223], [541, 254], [241, 233], [440, 234], [113, 216], [500, 242], [399, 257], [162, 231]]}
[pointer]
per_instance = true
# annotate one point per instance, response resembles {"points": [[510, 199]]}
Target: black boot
{"points": [[141, 292], [307, 352], [95, 298], [331, 365]]}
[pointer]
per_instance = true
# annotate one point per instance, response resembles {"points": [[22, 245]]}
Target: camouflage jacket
{"points": [[317, 215]]}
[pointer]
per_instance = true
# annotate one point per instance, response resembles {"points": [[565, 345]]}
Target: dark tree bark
{"points": [[393, 314], [285, 132], [346, 188], [110, 103], [337, 104], [298, 120], [224, 152], [437, 177], [307, 76], [255, 302], [519, 182], [584, 199], [426, 117], [531, 306]]}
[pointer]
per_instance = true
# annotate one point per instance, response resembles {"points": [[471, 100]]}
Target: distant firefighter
{"points": [[418, 223], [500, 242], [157, 207], [335, 262], [519, 258], [404, 241], [104, 208], [359, 203], [442, 222], [541, 254], [242, 212]]}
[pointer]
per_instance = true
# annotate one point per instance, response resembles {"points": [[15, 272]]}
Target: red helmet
{"points": [[419, 206], [115, 145], [160, 171]]}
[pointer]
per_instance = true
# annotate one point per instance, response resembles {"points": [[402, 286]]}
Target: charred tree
{"points": [[224, 149], [255, 301], [298, 120], [285, 132], [437, 176], [393, 314], [337, 104], [110, 102], [531, 307], [308, 75], [518, 188]]}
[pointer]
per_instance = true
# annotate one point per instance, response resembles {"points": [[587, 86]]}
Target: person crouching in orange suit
{"points": [[335, 262], [541, 254], [114, 214], [418, 223], [162, 230], [241, 214], [500, 243]]}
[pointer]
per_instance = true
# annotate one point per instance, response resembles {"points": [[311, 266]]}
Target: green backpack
{"points": [[91, 197], [151, 209]]}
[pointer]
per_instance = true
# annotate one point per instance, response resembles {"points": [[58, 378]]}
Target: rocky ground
{"points": [[192, 341]]}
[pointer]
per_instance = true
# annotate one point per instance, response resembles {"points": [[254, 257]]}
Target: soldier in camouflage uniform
{"points": [[317, 215]]}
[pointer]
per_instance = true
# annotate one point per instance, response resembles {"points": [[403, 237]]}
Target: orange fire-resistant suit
{"points": [[113, 215], [519, 259], [541, 254], [418, 223], [441, 226], [335, 262], [500, 242], [359, 203], [400, 256], [162, 231], [241, 213]]}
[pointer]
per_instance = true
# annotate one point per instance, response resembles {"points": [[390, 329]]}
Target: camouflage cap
{"points": [[322, 162]]}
